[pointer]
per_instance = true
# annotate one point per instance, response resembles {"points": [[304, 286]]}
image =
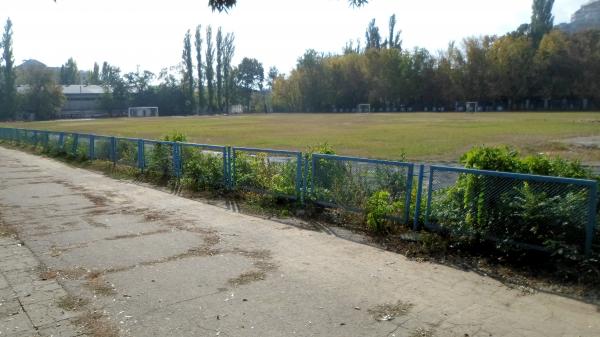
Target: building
{"points": [[587, 17], [82, 101]]}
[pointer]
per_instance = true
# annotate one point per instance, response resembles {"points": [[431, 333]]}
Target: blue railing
{"points": [[519, 209]]}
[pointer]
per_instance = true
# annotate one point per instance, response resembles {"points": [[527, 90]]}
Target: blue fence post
{"points": [[232, 174], [299, 183], [140, 155], [225, 178], [305, 176], [61, 140], [35, 137], [176, 159], [92, 147], [419, 197], [75, 144], [409, 182], [429, 195], [113, 150], [591, 225], [312, 174]]}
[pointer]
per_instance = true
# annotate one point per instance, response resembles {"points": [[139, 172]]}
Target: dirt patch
{"points": [[420, 332], [262, 262], [248, 277], [99, 286], [7, 230], [72, 303], [95, 324], [135, 235], [93, 222], [387, 312], [68, 274]]}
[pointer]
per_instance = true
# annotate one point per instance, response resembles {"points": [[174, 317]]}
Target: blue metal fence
{"points": [[274, 172], [537, 212], [349, 182]]}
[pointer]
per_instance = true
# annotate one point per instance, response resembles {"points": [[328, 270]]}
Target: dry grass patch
{"points": [[95, 324], [248, 277], [387, 312], [72, 303]]}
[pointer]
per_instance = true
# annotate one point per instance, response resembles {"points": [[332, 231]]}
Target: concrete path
{"points": [[139, 262]]}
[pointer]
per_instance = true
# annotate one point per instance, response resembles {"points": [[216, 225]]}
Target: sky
{"points": [[149, 33]]}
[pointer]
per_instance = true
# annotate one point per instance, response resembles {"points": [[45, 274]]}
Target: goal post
{"points": [[364, 108], [472, 106]]}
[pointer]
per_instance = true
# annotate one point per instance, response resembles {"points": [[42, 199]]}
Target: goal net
{"points": [[364, 108], [472, 106]]}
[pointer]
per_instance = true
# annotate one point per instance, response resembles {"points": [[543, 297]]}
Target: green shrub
{"points": [[202, 171], [257, 172], [380, 209], [514, 211]]}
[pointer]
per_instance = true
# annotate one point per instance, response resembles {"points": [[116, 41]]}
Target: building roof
{"points": [[82, 89], [73, 89]]}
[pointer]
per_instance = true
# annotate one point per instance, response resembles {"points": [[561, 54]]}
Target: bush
{"points": [[513, 211], [202, 171], [258, 172], [380, 209]]}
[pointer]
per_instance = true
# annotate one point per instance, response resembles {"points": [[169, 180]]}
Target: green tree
{"points": [[210, 57], [199, 68], [94, 75], [8, 101], [372, 36], [109, 75], [69, 74], [542, 20], [250, 78], [188, 73], [219, 47], [43, 98], [393, 41], [228, 85]]}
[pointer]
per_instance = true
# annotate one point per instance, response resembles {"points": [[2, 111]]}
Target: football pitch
{"points": [[419, 136]]}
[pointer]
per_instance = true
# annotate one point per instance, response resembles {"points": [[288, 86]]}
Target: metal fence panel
{"points": [[267, 171], [204, 167], [530, 211], [349, 182], [159, 158], [126, 152], [102, 148]]}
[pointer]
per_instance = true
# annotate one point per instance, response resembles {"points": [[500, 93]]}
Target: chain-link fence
{"points": [[349, 183], [524, 210], [204, 167], [267, 171], [535, 212]]}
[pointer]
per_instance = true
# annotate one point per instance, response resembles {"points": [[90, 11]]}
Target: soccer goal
{"points": [[364, 108], [472, 106]]}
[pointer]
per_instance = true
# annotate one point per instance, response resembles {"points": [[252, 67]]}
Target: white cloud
{"points": [[149, 33]]}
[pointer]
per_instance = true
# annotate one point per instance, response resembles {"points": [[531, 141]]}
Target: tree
{"points": [[273, 74], [94, 76], [188, 73], [228, 51], [110, 75], [393, 41], [69, 74], [250, 77], [373, 38], [43, 98], [8, 98], [219, 68], [224, 5], [210, 57], [115, 97], [542, 20], [200, 66]]}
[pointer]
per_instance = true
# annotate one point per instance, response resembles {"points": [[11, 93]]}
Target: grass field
{"points": [[421, 136]]}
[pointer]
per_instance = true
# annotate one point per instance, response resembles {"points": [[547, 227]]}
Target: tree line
{"points": [[535, 67]]}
